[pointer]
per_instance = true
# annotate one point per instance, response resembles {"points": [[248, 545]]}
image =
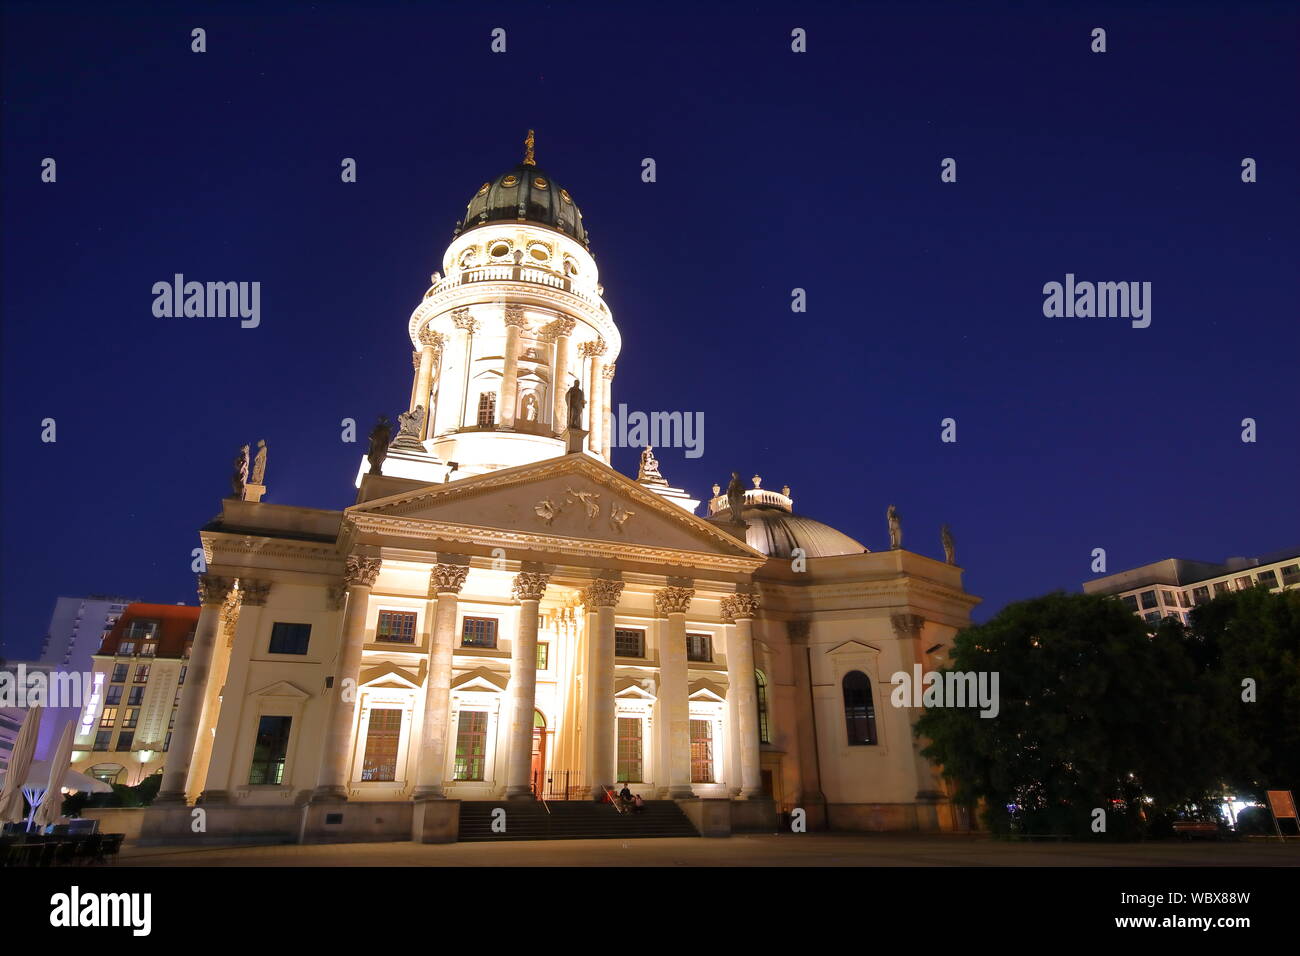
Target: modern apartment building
{"points": [[1172, 587]]}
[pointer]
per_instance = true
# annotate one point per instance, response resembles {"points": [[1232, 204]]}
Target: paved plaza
{"points": [[744, 850]]}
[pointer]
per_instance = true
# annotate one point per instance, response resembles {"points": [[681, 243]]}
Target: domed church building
{"points": [[501, 620]]}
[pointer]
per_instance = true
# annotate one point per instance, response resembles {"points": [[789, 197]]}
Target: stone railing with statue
{"points": [[757, 495]]}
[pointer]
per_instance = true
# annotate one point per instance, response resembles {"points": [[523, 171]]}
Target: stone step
{"points": [[572, 820]]}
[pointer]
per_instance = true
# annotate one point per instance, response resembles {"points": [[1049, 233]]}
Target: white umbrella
{"points": [[52, 801], [38, 774], [20, 761]]}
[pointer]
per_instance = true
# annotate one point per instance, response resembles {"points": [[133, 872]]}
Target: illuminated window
{"points": [[132, 717], [760, 681], [859, 711], [543, 655], [487, 409], [269, 751], [629, 750], [142, 674], [396, 627], [699, 647], [479, 632], [471, 745], [629, 642], [126, 648], [148, 649], [701, 751], [109, 717], [382, 738], [289, 638]]}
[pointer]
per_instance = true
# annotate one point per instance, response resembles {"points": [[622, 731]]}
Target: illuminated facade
{"points": [[501, 614]]}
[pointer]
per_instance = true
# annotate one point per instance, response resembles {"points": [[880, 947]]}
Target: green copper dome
{"points": [[526, 193]]}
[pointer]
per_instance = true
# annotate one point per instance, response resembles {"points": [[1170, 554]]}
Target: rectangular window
{"points": [[141, 630], [1291, 574], [471, 745], [142, 674], [543, 655], [701, 751], [119, 673], [126, 648], [1220, 587], [181, 679], [629, 642], [1170, 600], [114, 694], [109, 717], [382, 738], [132, 717], [269, 751], [1268, 579], [396, 627], [289, 638], [136, 697], [171, 722], [1153, 618], [487, 409], [1148, 599], [1200, 595], [1130, 601], [148, 649], [479, 632], [699, 647], [102, 738], [629, 750], [167, 741], [125, 739], [1245, 583]]}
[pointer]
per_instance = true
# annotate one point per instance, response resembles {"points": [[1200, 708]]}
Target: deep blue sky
{"points": [[775, 170]]}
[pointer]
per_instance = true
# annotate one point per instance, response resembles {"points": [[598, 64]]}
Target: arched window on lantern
{"points": [[859, 711]]}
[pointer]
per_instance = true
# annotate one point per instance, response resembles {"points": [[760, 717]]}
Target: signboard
{"points": [[1282, 804]]}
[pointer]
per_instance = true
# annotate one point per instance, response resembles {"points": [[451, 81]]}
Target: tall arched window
{"points": [[859, 713], [760, 681]]}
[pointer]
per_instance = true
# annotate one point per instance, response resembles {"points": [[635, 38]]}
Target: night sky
{"points": [[775, 170]]}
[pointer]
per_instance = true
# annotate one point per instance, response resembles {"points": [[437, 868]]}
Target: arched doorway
{"points": [[539, 749]]}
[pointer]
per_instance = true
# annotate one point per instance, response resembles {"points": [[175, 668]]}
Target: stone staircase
{"points": [[572, 820]]}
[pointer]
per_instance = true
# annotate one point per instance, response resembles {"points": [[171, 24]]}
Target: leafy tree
{"points": [[1095, 713]]}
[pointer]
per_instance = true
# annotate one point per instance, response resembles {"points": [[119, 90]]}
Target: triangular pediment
{"points": [[853, 647], [282, 688], [480, 679], [705, 690], [390, 675], [571, 503]]}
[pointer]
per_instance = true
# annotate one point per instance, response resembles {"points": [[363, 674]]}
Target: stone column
{"points": [[529, 588], [602, 595], [593, 352], [739, 610], [430, 345], [213, 592], [332, 782], [561, 329], [907, 630], [445, 582], [810, 796], [672, 603], [451, 396], [607, 426], [508, 396]]}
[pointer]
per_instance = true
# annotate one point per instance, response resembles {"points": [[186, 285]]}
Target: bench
{"points": [[1190, 828]]}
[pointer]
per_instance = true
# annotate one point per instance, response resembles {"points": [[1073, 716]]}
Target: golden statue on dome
{"points": [[528, 150]]}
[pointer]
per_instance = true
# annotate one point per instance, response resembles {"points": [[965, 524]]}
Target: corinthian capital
{"points": [[361, 571], [602, 593], [592, 349], [515, 316], [906, 625], [608, 372], [673, 600], [447, 579], [214, 590], [254, 593], [462, 320], [559, 327], [530, 585], [430, 338], [739, 607], [415, 360]]}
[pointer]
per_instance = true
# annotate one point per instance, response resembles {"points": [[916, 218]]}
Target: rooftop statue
{"points": [[736, 498], [648, 473], [379, 438], [949, 550], [576, 402], [895, 529], [240, 476], [259, 463]]}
